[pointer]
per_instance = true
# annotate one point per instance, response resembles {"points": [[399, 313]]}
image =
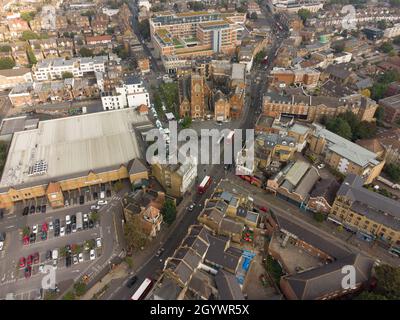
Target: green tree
{"points": [[144, 29], [338, 47], [28, 16], [67, 75], [76, 248], [169, 211], [253, 16], [6, 63], [135, 236], [388, 281], [80, 288], [393, 171], [386, 47], [187, 121], [379, 113], [395, 3], [70, 295], [365, 295], [340, 127], [121, 52], [29, 35], [382, 24], [304, 14], [31, 56], [85, 52], [318, 216], [94, 216], [5, 48], [196, 5]]}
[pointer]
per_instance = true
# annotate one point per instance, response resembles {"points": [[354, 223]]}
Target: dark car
{"points": [[85, 225], [131, 282], [25, 211], [28, 271], [57, 231], [38, 208], [81, 199], [57, 223], [48, 255], [68, 260], [91, 224], [32, 238], [102, 187], [43, 209], [68, 229], [108, 193], [73, 218], [95, 196], [73, 227], [32, 209]]}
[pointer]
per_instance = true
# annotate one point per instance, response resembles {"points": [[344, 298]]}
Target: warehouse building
{"points": [[72, 153]]}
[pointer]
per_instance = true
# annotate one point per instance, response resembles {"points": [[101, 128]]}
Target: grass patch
{"points": [[70, 295]]}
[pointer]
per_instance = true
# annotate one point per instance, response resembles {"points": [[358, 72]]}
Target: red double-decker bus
{"points": [[204, 185]]}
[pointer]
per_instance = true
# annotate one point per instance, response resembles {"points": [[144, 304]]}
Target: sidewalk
{"points": [[118, 272]]}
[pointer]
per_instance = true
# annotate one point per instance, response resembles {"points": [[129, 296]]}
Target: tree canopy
{"points": [[85, 52], [304, 14], [393, 171], [135, 235], [6, 63], [169, 211]]}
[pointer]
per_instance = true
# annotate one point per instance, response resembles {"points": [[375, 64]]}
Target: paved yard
{"points": [[253, 286]]}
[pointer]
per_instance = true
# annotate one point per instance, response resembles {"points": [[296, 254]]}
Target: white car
{"points": [[98, 242], [92, 254], [102, 202], [80, 257], [1, 245], [51, 227], [62, 231], [41, 268], [321, 166], [35, 229], [67, 219], [85, 217], [102, 195], [191, 207], [94, 207], [75, 259]]}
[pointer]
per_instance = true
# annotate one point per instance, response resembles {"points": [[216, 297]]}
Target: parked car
{"points": [[28, 272], [32, 238], [68, 229], [48, 255], [25, 240], [81, 200], [131, 282], [67, 219], [85, 225], [85, 217], [32, 209], [98, 242], [41, 268], [95, 196], [25, 211], [73, 226], [102, 202], [73, 218], [57, 232], [321, 166], [43, 235], [191, 207], [45, 227], [159, 252], [80, 257], [57, 223], [62, 231], [36, 257], [51, 226], [22, 262], [95, 207], [43, 209], [91, 224], [68, 260], [108, 193], [75, 259], [92, 255], [29, 260], [38, 208]]}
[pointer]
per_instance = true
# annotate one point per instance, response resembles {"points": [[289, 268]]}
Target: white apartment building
{"points": [[52, 69], [132, 93], [392, 31]]}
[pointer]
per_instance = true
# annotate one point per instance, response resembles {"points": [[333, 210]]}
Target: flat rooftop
{"points": [[70, 147]]}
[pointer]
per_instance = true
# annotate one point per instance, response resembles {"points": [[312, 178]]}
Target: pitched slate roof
{"points": [[321, 281]]}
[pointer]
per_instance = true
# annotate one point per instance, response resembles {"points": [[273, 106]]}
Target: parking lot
{"points": [[34, 230]]}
